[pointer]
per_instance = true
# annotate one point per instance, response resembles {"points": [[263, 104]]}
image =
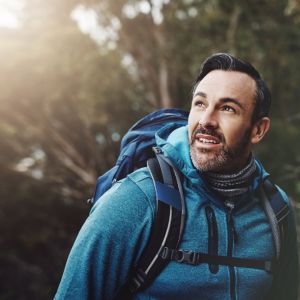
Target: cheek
{"points": [[233, 132], [235, 135]]}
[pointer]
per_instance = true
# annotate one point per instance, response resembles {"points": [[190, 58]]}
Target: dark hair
{"points": [[227, 62]]}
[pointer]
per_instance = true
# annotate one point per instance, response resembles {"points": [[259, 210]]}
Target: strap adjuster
{"points": [[181, 256], [188, 257]]}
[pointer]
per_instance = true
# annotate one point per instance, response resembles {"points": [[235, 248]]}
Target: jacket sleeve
{"points": [[108, 244], [286, 280]]}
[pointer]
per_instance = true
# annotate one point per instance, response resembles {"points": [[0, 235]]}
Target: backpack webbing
{"points": [[196, 258], [277, 211], [166, 230]]}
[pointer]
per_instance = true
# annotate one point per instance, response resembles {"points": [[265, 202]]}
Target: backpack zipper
{"points": [[232, 238], [212, 236]]}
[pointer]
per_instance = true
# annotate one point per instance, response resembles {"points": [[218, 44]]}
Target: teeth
{"points": [[206, 141]]}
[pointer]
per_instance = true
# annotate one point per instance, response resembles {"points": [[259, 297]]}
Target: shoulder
{"points": [[130, 198], [137, 187]]}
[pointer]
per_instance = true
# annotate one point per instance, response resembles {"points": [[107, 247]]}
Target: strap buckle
{"points": [[181, 256], [188, 257]]}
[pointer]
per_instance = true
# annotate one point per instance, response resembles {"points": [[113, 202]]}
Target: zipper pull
{"points": [[230, 204], [210, 219]]}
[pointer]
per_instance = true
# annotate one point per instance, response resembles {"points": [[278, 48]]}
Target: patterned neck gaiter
{"points": [[232, 185]]}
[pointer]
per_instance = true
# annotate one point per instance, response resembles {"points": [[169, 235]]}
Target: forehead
{"points": [[228, 84]]}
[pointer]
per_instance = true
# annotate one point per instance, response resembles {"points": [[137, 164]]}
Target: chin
{"points": [[208, 162]]}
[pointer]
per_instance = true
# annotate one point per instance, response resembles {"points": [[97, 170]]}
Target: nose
{"points": [[208, 119]]}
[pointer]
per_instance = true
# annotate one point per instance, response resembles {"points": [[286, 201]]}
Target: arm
{"points": [[108, 244]]}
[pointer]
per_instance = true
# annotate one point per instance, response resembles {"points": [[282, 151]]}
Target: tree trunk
{"points": [[232, 29]]}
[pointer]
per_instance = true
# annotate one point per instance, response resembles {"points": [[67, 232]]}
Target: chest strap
{"points": [[197, 258]]}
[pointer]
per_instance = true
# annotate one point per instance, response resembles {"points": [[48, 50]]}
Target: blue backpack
{"points": [[138, 149]]}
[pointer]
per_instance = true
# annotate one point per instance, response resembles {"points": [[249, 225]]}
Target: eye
{"points": [[199, 103], [228, 108]]}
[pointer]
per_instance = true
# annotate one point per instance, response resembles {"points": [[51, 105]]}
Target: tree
{"points": [[67, 99]]}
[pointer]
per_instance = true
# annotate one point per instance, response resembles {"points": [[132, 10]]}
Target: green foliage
{"points": [[66, 100]]}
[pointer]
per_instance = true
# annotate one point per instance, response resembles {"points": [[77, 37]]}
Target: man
{"points": [[229, 114]]}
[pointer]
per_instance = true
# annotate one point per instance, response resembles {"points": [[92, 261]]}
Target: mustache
{"points": [[208, 131]]}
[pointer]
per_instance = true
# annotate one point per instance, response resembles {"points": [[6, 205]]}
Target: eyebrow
{"points": [[200, 94], [223, 100], [232, 100]]}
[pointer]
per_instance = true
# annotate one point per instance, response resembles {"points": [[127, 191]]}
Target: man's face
{"points": [[220, 128]]}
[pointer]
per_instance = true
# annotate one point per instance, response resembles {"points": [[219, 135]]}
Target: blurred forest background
{"points": [[74, 75]]}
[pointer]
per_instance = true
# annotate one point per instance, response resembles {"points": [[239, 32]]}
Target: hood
{"points": [[174, 142]]}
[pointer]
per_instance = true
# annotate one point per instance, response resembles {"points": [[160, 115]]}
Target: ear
{"points": [[259, 130]]}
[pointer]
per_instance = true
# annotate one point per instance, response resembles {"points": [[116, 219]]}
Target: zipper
{"points": [[232, 238], [212, 236]]}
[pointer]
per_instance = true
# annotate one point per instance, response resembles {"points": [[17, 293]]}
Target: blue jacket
{"points": [[114, 236]]}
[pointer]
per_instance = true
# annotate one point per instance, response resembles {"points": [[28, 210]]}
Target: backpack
{"points": [[138, 149]]}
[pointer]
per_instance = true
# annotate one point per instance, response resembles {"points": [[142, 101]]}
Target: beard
{"points": [[225, 159]]}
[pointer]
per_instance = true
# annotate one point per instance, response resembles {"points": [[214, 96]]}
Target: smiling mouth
{"points": [[207, 139]]}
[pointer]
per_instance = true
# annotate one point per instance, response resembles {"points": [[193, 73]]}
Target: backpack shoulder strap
{"points": [[167, 227], [277, 211]]}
